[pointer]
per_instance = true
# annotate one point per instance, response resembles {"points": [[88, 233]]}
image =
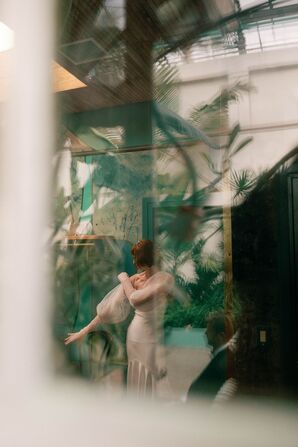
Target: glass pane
{"points": [[176, 140]]}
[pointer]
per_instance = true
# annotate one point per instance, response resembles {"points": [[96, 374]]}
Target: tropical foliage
{"points": [[129, 178], [214, 115], [205, 288]]}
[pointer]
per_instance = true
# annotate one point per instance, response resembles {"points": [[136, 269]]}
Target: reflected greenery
{"points": [[118, 182]]}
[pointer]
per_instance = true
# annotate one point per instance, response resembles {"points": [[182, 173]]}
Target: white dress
{"points": [[145, 330]]}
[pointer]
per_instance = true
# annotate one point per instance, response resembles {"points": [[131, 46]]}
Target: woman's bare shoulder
{"points": [[134, 277]]}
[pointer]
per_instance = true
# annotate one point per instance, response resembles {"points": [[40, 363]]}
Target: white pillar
{"points": [[25, 169]]}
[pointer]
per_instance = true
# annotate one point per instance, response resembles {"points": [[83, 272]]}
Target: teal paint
{"points": [[87, 195], [137, 121], [187, 338]]}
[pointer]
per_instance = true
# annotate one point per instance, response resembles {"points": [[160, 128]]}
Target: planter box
{"points": [[184, 337]]}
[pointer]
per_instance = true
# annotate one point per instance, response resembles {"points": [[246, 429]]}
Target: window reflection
{"points": [[197, 157]]}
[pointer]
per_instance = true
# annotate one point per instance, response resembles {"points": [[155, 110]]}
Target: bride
{"points": [[147, 292]]}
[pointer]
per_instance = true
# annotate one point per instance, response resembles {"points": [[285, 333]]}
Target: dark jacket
{"points": [[209, 382]]}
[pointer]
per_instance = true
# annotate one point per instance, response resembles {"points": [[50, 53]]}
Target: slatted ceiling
{"points": [[81, 15], [146, 27], [137, 72], [92, 98], [89, 98], [82, 19], [142, 17], [81, 23]]}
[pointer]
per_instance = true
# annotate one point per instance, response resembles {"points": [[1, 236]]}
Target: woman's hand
{"points": [[123, 276], [76, 336], [73, 336]]}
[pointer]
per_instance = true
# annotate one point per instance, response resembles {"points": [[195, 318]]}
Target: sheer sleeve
{"points": [[160, 283], [114, 307]]}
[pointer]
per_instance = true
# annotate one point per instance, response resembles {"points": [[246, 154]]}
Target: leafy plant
{"points": [[214, 114], [205, 291], [242, 182], [165, 84]]}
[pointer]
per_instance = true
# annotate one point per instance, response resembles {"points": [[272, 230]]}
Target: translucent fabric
{"points": [[114, 307]]}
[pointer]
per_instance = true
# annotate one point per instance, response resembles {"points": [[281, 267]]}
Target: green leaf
{"points": [[165, 84], [208, 161], [233, 135], [242, 145], [242, 182], [105, 138], [215, 114]]}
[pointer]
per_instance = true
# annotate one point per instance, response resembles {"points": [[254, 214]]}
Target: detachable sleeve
{"points": [[114, 307]]}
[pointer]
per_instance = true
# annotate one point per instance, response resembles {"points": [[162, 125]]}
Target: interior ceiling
{"points": [[111, 45], [64, 80]]}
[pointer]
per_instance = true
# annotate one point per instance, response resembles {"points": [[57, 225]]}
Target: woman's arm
{"points": [[162, 283], [127, 282], [75, 336]]}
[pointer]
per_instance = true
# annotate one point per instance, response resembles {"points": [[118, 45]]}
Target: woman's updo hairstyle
{"points": [[142, 253]]}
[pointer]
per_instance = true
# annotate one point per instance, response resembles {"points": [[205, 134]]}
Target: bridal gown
{"points": [[144, 334], [145, 330]]}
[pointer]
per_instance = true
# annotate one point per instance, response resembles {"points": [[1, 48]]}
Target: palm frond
{"points": [[165, 84], [209, 162], [242, 182], [113, 136], [233, 134], [214, 115], [241, 145]]}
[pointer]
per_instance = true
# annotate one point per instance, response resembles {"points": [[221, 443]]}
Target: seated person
{"points": [[221, 366]]}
